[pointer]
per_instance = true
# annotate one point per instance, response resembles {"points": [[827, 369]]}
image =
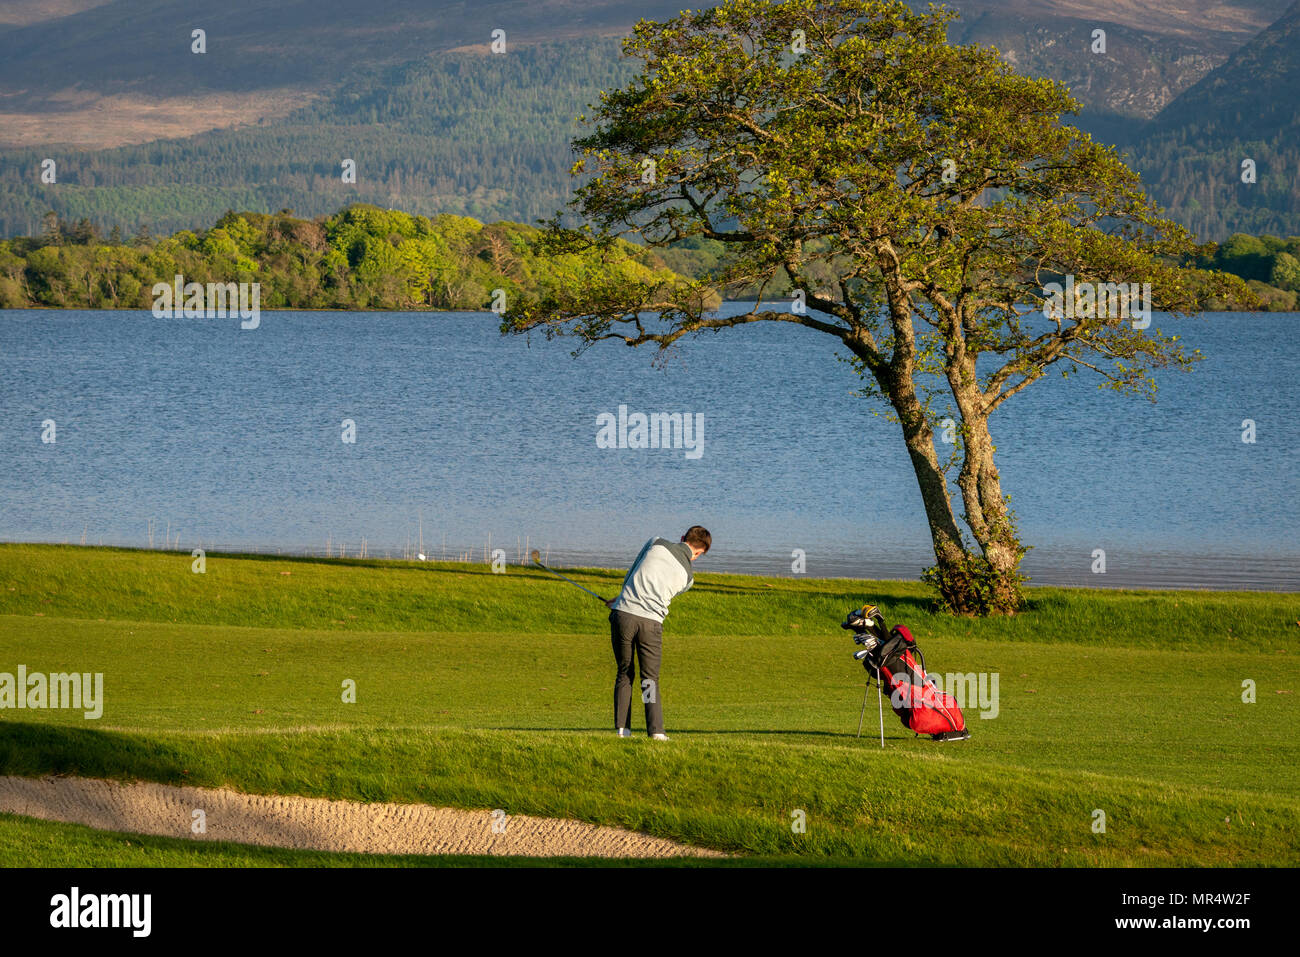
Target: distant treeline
{"points": [[1270, 266], [364, 257]]}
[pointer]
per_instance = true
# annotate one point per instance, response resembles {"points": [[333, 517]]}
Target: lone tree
{"points": [[917, 199]]}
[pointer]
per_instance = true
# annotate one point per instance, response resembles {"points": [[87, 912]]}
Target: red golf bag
{"points": [[894, 659]]}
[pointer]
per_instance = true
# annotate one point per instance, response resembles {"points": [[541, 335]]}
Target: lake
{"points": [[226, 438]]}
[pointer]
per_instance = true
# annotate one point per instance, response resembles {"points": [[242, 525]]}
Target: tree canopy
{"points": [[363, 257], [920, 198]]}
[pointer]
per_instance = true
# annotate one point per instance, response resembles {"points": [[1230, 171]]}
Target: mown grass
{"points": [[481, 690]]}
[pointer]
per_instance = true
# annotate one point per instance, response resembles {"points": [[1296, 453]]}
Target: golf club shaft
{"points": [[570, 581], [880, 706]]}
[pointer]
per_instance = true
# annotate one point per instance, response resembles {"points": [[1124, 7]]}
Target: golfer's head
{"points": [[698, 537]]}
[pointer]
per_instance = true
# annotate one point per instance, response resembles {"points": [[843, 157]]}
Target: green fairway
{"points": [[481, 690]]}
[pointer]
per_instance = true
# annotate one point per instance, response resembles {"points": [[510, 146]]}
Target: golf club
{"points": [[880, 706], [536, 557]]}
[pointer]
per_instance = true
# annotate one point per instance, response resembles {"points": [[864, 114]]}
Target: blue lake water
{"points": [[232, 438]]}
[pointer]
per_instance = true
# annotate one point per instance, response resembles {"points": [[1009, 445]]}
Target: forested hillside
{"points": [[485, 135], [1191, 155], [469, 134]]}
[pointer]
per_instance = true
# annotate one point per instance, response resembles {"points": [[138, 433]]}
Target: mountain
{"points": [[1154, 50], [148, 134], [124, 71], [92, 73], [464, 133], [1191, 154]]}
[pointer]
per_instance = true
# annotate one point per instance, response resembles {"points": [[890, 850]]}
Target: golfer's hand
{"points": [[610, 603]]}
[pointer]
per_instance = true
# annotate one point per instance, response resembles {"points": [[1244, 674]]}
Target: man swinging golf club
{"points": [[661, 572]]}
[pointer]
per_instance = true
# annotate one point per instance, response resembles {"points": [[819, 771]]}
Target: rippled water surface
{"points": [[231, 438]]}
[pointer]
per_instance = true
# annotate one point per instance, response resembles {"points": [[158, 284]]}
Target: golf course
{"points": [[480, 691]]}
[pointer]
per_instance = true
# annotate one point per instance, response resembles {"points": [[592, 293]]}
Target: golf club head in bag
{"points": [[865, 622]]}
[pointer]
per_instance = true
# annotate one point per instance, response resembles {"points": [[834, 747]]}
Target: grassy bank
{"points": [[361, 595]]}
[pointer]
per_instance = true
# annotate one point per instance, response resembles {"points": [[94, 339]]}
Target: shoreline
{"points": [[435, 310], [576, 560]]}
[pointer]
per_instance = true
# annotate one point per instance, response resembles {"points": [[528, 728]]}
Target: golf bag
{"points": [[892, 656]]}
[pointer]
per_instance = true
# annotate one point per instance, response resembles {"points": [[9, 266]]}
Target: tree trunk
{"points": [[934, 492], [953, 574], [958, 576], [986, 508]]}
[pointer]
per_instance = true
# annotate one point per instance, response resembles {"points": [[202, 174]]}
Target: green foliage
{"points": [[363, 257], [1248, 256], [1272, 299], [1269, 264], [1285, 273], [970, 585]]}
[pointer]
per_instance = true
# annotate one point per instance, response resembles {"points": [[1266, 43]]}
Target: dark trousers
{"points": [[644, 637]]}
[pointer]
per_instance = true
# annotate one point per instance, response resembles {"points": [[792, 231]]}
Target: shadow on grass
{"points": [[874, 734], [29, 750]]}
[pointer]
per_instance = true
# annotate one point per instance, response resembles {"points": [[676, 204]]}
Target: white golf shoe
{"points": [[625, 732], [659, 737]]}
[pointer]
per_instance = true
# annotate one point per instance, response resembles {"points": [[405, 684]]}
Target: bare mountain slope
{"points": [[94, 73]]}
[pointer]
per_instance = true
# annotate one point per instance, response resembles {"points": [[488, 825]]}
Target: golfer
{"points": [[636, 624]]}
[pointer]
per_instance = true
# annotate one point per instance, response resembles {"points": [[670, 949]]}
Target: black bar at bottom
{"points": [[531, 904]]}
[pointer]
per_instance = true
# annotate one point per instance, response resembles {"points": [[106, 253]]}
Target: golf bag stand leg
{"points": [[866, 690]]}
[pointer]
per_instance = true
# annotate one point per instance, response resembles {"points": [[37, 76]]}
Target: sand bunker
{"points": [[320, 824]]}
